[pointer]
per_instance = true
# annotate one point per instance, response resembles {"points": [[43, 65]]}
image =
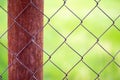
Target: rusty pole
{"points": [[25, 57]]}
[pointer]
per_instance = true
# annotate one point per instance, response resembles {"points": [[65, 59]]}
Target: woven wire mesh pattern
{"points": [[75, 46]]}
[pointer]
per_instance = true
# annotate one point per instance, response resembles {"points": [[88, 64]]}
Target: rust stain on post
{"points": [[25, 58]]}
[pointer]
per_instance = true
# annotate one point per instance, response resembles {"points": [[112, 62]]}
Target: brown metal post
{"points": [[25, 57]]}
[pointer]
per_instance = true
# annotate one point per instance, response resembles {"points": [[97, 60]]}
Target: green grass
{"points": [[81, 40]]}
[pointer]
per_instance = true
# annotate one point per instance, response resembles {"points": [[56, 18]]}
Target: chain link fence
{"points": [[81, 40]]}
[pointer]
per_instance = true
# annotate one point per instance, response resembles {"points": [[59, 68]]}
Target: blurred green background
{"points": [[80, 40]]}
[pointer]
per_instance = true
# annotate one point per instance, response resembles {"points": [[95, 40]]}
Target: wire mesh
{"points": [[81, 40]]}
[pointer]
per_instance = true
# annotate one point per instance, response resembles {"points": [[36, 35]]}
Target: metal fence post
{"points": [[24, 21]]}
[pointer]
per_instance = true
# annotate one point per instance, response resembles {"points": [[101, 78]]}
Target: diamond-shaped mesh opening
{"points": [[3, 61], [3, 57], [25, 63], [22, 35], [52, 73], [111, 69], [97, 58], [111, 40], [81, 40], [66, 54], [81, 71], [66, 25], [21, 68], [33, 52], [20, 9], [3, 21], [52, 39], [52, 7], [80, 8], [110, 7], [29, 19], [93, 24]]}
